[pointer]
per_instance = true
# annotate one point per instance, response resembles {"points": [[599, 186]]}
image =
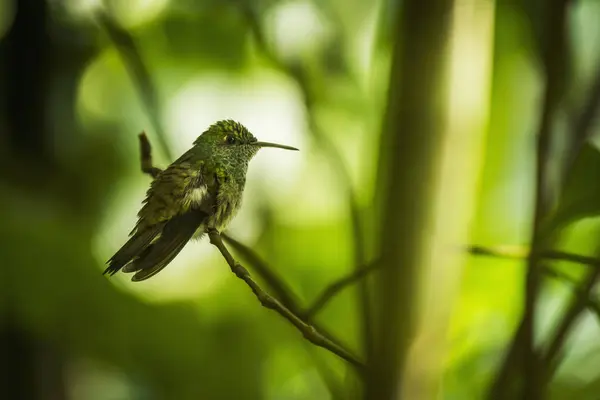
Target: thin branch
{"points": [[138, 72], [268, 301], [554, 49], [146, 157], [595, 307], [518, 253], [530, 363], [282, 291], [561, 276], [299, 75], [579, 303], [337, 286], [583, 122], [582, 132], [506, 252]]}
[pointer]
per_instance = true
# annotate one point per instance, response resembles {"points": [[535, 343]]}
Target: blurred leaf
{"points": [[217, 35], [138, 70], [546, 20], [580, 197]]}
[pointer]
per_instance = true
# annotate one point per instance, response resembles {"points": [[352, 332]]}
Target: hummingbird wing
{"points": [[174, 236], [139, 241], [171, 195]]}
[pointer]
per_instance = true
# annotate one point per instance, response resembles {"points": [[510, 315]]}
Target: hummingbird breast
{"points": [[229, 200]]}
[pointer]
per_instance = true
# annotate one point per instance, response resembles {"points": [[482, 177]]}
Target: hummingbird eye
{"points": [[230, 139]]}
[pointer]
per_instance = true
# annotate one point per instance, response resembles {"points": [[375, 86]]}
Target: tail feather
{"points": [[173, 238], [131, 249], [145, 273]]}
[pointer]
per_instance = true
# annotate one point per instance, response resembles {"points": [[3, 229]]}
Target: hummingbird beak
{"points": [[279, 146]]}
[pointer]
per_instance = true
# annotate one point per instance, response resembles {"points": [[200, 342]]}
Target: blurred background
{"points": [[80, 79]]}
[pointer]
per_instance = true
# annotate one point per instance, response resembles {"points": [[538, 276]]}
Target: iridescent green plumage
{"points": [[201, 190]]}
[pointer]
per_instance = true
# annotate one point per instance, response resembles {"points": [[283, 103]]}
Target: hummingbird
{"points": [[200, 191]]}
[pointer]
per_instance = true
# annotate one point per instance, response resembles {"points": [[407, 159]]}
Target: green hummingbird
{"points": [[200, 191]]}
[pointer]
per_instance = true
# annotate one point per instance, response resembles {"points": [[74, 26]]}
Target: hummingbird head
{"points": [[228, 138]]}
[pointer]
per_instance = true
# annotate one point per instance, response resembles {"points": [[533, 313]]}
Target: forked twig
{"points": [[514, 253], [268, 301], [146, 157], [283, 292], [337, 286]]}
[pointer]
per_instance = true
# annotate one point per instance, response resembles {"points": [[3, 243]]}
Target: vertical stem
{"points": [[409, 160], [570, 318], [553, 54], [533, 278], [522, 356], [25, 59], [581, 132], [457, 191]]}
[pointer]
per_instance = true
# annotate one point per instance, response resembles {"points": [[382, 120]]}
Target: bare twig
{"points": [[285, 293], [146, 157], [507, 252], [571, 315], [561, 276], [299, 75], [530, 368], [337, 286], [583, 122], [579, 303], [595, 307], [268, 301], [519, 253], [125, 45], [504, 252], [282, 291]]}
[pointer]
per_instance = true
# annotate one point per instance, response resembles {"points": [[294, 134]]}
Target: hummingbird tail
{"points": [[134, 246], [174, 236]]}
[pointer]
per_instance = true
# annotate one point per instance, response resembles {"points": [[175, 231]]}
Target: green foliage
{"points": [[197, 332], [580, 195]]}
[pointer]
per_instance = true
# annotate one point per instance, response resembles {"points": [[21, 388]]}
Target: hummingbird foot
{"points": [[213, 231], [214, 236]]}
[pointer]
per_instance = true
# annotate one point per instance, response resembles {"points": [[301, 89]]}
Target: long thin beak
{"points": [[279, 146]]}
